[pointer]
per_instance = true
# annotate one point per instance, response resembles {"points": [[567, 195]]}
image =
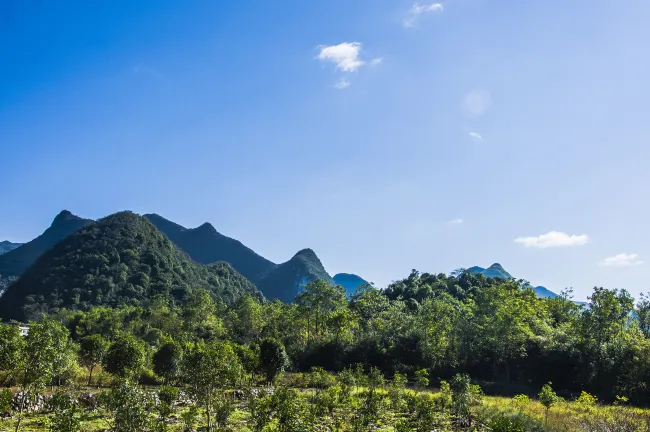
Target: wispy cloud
{"points": [[553, 239], [376, 61], [342, 84], [456, 221], [622, 260], [345, 55], [476, 137], [418, 9]]}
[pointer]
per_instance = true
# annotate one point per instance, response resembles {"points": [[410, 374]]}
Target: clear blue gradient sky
{"points": [[517, 117]]}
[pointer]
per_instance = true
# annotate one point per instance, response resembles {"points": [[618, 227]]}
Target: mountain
{"points": [[544, 292], [286, 280], [349, 281], [494, 271], [15, 262], [7, 246], [121, 259], [206, 245]]}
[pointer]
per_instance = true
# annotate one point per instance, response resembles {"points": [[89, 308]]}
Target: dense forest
{"points": [[425, 330]]}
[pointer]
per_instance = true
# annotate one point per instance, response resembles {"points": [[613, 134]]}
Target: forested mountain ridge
{"points": [[206, 245], [6, 246], [122, 259], [287, 279]]}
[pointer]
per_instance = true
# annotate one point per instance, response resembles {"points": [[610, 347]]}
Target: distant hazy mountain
{"points": [[6, 246], [496, 270], [16, 261], [206, 245], [286, 280], [122, 259], [349, 281]]}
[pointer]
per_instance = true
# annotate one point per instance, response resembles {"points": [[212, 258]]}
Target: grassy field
{"points": [[399, 411]]}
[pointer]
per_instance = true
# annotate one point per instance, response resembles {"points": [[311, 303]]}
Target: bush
{"points": [[422, 378], [517, 423], [520, 401], [6, 397], [586, 400]]}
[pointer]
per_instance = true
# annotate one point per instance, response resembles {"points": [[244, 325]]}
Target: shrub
{"points": [[517, 423], [6, 397], [520, 401], [586, 400], [548, 398], [422, 378]]}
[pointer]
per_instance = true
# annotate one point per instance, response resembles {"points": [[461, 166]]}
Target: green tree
{"points": [[548, 398], [130, 407], [167, 361], [45, 344], [125, 357], [208, 369], [11, 349], [273, 358], [92, 350], [319, 301]]}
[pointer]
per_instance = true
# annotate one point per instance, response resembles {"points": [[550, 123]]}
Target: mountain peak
{"points": [[306, 253], [206, 227], [64, 215]]}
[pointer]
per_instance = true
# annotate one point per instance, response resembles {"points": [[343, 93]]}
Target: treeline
{"points": [[491, 329]]}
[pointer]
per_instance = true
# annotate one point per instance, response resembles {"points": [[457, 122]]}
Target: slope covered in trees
{"points": [[206, 245], [349, 281], [287, 279], [119, 260]]}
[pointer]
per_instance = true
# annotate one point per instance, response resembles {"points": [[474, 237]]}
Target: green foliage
{"points": [[92, 350], [464, 395], [209, 368], [119, 260], [6, 396], [167, 361], [130, 407], [586, 400], [273, 358], [11, 349], [260, 409], [520, 401], [125, 357], [422, 378]]}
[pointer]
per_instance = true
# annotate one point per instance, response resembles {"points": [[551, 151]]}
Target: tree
{"points": [[45, 343], [319, 301], [125, 357], [11, 348], [167, 361], [207, 370], [273, 358], [92, 350], [548, 398], [130, 407]]}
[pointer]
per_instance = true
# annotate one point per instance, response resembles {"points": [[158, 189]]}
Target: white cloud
{"points": [[476, 137], [376, 61], [553, 239], [622, 260], [418, 9], [477, 102], [344, 55], [456, 221], [342, 84]]}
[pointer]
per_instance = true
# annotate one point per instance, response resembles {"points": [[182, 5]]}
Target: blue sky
{"points": [[385, 135]]}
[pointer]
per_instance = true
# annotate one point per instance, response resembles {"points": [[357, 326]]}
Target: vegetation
{"points": [[119, 260]]}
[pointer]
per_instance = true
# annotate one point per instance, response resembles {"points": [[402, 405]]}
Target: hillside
{"points": [[6, 246], [15, 262], [349, 281], [121, 259], [206, 245], [286, 280]]}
